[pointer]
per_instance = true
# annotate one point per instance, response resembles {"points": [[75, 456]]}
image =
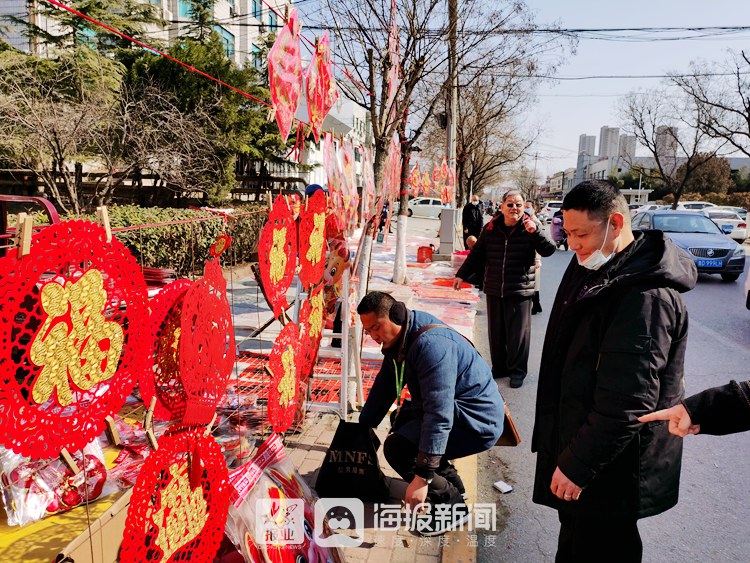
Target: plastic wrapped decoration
{"points": [[415, 180], [312, 240], [368, 172], [33, 489], [320, 85], [71, 338], [278, 255], [284, 363], [285, 73], [333, 173], [179, 505], [164, 380]]}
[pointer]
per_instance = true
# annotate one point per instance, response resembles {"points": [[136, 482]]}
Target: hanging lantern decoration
{"points": [[72, 343], [278, 255], [312, 240], [180, 502], [285, 74], [283, 365], [320, 86]]}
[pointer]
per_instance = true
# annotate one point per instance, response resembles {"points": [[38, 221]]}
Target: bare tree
{"points": [[667, 126], [723, 102]]}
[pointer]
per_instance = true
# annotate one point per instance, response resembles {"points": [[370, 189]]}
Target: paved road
{"points": [[710, 522]]}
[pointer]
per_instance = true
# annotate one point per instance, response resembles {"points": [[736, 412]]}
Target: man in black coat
{"points": [[614, 350], [472, 219]]}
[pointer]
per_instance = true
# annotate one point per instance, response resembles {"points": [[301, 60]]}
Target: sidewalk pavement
{"points": [[428, 289]]}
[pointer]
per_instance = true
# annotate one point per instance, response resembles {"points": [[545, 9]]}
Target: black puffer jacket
{"points": [[614, 351], [507, 255]]}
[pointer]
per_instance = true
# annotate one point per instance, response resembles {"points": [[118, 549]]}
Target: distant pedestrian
{"points": [[472, 219], [614, 351], [506, 254]]}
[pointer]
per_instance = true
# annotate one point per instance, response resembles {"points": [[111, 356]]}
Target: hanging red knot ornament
{"points": [[72, 341], [179, 505], [278, 255], [285, 73]]}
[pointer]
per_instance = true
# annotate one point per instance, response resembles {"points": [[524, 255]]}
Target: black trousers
{"points": [[509, 330], [586, 539]]}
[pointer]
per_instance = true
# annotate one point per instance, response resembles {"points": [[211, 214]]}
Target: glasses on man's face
{"points": [[514, 204]]}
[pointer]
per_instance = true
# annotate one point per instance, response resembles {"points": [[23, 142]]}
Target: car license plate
{"points": [[709, 263]]}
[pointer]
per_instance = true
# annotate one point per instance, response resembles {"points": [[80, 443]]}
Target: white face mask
{"points": [[475, 203], [597, 259]]}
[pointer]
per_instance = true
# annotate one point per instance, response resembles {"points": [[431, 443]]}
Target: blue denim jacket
{"points": [[450, 384]]}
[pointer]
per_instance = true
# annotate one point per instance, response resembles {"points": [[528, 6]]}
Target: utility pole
{"points": [[448, 217]]}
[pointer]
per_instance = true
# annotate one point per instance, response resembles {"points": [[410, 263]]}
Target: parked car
{"points": [[694, 205], [634, 207], [741, 211], [545, 215], [648, 207], [425, 207], [737, 227], [712, 251]]}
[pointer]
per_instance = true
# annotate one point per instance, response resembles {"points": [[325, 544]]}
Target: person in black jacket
{"points": [[472, 219], [504, 259], [717, 411], [614, 350]]}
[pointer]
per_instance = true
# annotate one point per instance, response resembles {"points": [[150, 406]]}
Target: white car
{"points": [[549, 210], [726, 219], [694, 205], [741, 211], [425, 207]]}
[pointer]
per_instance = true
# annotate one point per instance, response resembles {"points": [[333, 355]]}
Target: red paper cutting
{"points": [[284, 363], [164, 380], [277, 255], [285, 73], [311, 330], [179, 505], [71, 338], [207, 348], [312, 240], [320, 86]]}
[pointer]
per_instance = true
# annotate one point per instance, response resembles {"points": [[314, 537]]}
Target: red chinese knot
{"points": [[283, 364], [180, 502], [71, 338]]}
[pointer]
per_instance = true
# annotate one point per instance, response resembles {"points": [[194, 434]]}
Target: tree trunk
{"points": [[399, 264]]}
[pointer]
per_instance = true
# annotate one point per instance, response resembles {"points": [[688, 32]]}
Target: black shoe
{"points": [[452, 476], [516, 382]]}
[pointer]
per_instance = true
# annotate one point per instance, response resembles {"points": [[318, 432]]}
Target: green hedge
{"points": [[184, 247]]}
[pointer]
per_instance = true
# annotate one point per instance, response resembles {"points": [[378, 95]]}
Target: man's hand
{"points": [[416, 492], [563, 488], [529, 223], [680, 423], [457, 283]]}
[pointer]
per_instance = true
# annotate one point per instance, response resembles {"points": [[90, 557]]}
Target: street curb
{"points": [[457, 548]]}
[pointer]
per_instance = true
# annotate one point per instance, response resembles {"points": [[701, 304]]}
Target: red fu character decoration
{"points": [[285, 74], [278, 255]]}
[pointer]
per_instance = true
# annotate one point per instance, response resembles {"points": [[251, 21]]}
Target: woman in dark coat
{"points": [[504, 257]]}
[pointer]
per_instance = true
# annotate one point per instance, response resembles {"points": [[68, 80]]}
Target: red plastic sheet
{"points": [[320, 86], [278, 254], [164, 380], [71, 338], [312, 239], [179, 505], [285, 73], [284, 363]]}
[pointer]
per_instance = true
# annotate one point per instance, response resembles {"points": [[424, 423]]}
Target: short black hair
{"points": [[376, 302], [599, 198]]}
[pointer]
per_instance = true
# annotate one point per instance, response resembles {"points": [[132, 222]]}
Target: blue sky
{"points": [[568, 109]]}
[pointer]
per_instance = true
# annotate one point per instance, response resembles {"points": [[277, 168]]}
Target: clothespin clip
{"points": [[112, 434], [209, 427], [24, 229], [269, 200], [68, 460], [102, 215], [306, 198], [148, 424], [271, 114]]}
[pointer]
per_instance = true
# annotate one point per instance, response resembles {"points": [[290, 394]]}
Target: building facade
{"points": [[609, 139]]}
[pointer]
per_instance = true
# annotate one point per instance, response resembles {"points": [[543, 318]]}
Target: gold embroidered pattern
{"points": [[315, 320], [75, 341], [286, 385], [182, 513], [315, 252], [277, 256]]}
